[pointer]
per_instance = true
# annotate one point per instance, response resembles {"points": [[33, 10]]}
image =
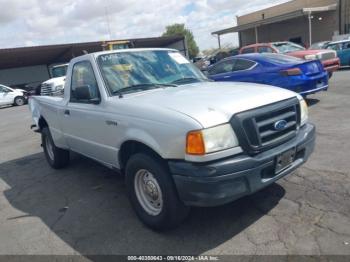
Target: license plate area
{"points": [[284, 160]]}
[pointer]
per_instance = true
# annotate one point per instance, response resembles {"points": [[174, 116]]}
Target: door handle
{"points": [[226, 76], [66, 112]]}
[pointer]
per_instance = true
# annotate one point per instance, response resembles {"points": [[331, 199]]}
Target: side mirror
{"points": [[84, 93]]}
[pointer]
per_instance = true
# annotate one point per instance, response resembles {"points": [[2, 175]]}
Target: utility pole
{"points": [[310, 28], [108, 23]]}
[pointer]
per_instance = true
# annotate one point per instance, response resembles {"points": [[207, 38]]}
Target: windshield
{"points": [[319, 45], [281, 59], [59, 71], [286, 47], [134, 71]]}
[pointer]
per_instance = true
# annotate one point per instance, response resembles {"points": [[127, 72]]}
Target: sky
{"points": [[44, 22]]}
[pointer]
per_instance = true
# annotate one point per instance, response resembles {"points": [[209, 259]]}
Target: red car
{"points": [[328, 58]]}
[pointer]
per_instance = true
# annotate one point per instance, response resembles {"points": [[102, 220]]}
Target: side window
{"points": [[243, 64], [4, 89], [248, 50], [333, 47], [265, 49], [83, 75], [222, 67], [346, 45]]}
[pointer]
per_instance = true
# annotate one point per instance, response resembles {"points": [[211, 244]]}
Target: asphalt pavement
{"points": [[84, 209]]}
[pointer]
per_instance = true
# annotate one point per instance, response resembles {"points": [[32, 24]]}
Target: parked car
{"points": [[55, 85], [328, 58], [180, 139], [196, 59], [319, 45], [295, 74], [234, 51], [343, 51], [10, 96], [203, 63], [206, 61]]}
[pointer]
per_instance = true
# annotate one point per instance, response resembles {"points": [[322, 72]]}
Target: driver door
{"points": [[84, 122]]}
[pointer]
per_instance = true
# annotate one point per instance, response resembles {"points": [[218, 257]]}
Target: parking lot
{"points": [[84, 209]]}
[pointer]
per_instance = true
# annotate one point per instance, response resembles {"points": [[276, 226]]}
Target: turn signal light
{"points": [[291, 72], [195, 143]]}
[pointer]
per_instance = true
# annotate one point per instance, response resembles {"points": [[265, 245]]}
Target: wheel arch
{"points": [[42, 123], [131, 147]]}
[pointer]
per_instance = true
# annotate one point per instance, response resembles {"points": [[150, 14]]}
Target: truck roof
{"points": [[130, 50]]}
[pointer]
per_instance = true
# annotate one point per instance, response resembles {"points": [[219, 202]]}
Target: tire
{"points": [[167, 211], [56, 157], [19, 101]]}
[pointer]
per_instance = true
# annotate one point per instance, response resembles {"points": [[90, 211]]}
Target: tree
{"points": [[179, 29]]}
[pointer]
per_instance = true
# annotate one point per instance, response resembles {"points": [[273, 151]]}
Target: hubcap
{"points": [[20, 101], [49, 148], [148, 192]]}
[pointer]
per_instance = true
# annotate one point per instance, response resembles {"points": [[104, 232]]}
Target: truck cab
{"points": [[55, 85]]}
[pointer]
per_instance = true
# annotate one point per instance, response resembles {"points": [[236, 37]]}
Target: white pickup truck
{"points": [[180, 139]]}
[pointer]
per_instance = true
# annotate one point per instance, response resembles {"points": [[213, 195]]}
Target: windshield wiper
{"points": [[188, 80], [141, 87]]}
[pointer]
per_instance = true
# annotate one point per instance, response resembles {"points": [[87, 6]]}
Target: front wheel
{"points": [[19, 101], [152, 192], [56, 157]]}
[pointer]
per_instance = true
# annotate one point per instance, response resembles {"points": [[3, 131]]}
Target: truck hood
{"points": [[59, 80], [305, 52], [211, 103], [18, 90]]}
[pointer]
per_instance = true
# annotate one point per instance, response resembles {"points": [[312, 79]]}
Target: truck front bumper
{"points": [[222, 181]]}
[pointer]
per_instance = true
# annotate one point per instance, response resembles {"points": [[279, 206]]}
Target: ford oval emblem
{"points": [[280, 125]]}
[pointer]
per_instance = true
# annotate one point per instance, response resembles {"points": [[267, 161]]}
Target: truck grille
{"points": [[328, 55], [46, 90], [256, 128]]}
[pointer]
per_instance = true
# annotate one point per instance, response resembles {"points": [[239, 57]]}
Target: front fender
{"points": [[145, 138]]}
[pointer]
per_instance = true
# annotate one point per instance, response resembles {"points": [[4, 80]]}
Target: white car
{"points": [[10, 96]]}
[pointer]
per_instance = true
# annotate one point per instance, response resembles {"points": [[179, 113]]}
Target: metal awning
{"points": [[40, 55], [276, 19]]}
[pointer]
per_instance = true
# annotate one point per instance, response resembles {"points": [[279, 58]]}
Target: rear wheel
{"points": [[56, 157], [152, 192], [19, 101]]}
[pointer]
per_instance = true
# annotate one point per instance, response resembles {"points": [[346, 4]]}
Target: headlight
{"points": [[303, 112], [211, 140], [59, 87], [310, 57]]}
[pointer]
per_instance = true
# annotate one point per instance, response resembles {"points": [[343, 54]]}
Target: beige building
{"points": [[300, 21]]}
